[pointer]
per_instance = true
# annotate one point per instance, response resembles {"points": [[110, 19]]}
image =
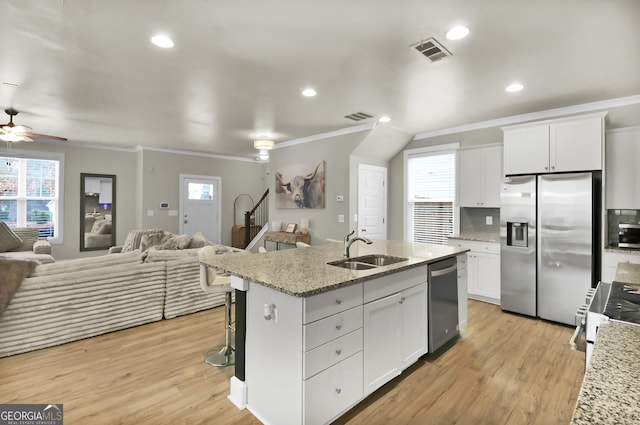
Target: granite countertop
{"points": [[610, 390], [614, 248], [477, 236], [628, 273], [303, 272]]}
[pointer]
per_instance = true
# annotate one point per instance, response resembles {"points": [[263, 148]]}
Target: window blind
{"points": [[431, 194]]}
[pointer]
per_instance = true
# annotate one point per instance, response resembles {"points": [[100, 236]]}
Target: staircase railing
{"points": [[255, 219]]}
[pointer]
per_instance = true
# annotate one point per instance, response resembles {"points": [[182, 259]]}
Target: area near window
{"points": [[430, 182], [30, 187]]}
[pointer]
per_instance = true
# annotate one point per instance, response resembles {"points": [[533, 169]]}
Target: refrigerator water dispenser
{"points": [[517, 234]]}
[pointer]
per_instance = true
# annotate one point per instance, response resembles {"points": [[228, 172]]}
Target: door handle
{"points": [[436, 273]]}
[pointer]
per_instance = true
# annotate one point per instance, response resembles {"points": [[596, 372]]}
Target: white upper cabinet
{"points": [[479, 177], [567, 144], [623, 170]]}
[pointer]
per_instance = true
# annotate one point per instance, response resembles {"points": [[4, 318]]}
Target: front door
{"points": [[372, 201], [200, 206]]}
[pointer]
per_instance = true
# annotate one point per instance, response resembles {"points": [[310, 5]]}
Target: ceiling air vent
{"points": [[431, 49], [359, 116]]}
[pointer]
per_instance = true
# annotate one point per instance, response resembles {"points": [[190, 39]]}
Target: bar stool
{"points": [[212, 282]]}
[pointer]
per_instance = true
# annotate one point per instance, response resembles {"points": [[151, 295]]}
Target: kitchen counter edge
{"points": [[280, 270]]}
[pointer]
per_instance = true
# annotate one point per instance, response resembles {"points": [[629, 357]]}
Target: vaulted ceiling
{"points": [[86, 70]]}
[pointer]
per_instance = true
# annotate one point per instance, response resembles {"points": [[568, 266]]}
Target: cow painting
{"points": [[300, 186]]}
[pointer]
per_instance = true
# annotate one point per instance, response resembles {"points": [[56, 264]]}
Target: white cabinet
{"points": [[482, 269], [484, 276], [394, 326], [303, 355], [622, 173], [568, 144], [479, 177], [106, 190], [610, 262], [307, 358]]}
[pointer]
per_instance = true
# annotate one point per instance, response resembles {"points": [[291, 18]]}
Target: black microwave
{"points": [[629, 235]]}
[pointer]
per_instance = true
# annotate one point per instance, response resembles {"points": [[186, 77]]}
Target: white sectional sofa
{"points": [[70, 300]]}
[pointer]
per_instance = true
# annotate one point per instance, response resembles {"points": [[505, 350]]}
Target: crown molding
{"points": [[532, 116]]}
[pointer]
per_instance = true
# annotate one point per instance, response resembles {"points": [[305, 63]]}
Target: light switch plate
{"points": [[489, 220], [150, 213], [173, 213]]}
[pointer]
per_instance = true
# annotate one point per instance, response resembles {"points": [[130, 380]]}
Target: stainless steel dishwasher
{"points": [[443, 302]]}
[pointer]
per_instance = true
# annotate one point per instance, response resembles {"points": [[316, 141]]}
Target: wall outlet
{"points": [[150, 213], [489, 220], [340, 218], [173, 213]]}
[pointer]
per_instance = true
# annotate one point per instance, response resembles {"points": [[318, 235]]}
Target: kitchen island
{"points": [[315, 339]]}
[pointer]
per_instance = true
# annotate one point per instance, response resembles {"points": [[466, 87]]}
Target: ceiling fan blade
{"points": [[43, 136]]}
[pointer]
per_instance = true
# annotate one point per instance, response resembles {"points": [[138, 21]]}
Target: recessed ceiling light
{"points": [[514, 87], [162, 41], [384, 119], [456, 33], [309, 92]]}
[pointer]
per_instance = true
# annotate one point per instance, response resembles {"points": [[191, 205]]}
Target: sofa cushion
{"points": [[29, 236], [8, 238], [132, 242], [90, 263]]}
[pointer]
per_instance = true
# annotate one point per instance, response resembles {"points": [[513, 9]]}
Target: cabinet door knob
{"points": [[402, 300], [553, 167], [546, 168], [338, 327], [338, 351], [338, 301], [338, 390]]}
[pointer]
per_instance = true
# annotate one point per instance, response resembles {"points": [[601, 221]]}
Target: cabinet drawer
{"points": [[477, 246], [326, 355], [333, 391], [331, 302], [332, 327], [390, 284]]}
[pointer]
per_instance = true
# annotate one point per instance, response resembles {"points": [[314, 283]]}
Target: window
{"points": [[30, 188], [430, 194]]}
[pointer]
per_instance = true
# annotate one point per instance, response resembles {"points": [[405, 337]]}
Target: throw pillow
{"points": [[105, 228], [176, 242], [97, 224], [29, 236], [8, 238], [153, 239], [198, 240], [132, 242]]}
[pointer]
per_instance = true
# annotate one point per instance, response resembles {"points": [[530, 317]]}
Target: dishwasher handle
{"points": [[436, 273]]}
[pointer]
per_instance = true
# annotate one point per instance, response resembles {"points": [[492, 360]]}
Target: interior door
{"points": [[200, 206], [372, 201]]}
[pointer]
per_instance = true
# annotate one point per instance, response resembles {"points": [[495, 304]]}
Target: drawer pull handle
{"points": [[338, 351], [338, 327], [338, 390], [338, 301]]}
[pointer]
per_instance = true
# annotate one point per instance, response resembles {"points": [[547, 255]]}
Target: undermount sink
{"points": [[367, 262]]}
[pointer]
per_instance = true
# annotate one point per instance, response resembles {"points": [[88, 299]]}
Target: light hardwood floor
{"points": [[504, 369]]}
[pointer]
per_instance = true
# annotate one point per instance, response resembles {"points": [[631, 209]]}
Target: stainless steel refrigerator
{"points": [[549, 239]]}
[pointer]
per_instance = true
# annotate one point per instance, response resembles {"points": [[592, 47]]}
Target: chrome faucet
{"points": [[348, 242]]}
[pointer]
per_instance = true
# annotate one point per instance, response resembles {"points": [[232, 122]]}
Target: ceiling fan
{"points": [[11, 133]]}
